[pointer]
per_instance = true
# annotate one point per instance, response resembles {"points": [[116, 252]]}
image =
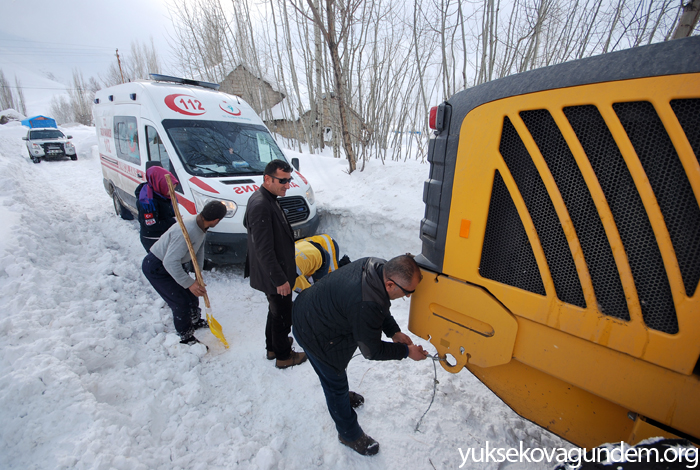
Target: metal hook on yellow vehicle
{"points": [[450, 361]]}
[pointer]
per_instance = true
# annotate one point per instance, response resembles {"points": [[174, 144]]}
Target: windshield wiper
{"points": [[205, 168]]}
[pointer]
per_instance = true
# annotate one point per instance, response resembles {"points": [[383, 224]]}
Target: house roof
{"points": [[285, 111], [266, 77]]}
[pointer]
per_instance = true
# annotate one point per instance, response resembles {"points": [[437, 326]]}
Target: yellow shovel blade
{"points": [[215, 327]]}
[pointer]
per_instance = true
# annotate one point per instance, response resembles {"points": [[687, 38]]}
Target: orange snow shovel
{"points": [[214, 325]]}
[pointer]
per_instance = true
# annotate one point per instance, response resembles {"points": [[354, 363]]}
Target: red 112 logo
{"points": [[185, 104]]}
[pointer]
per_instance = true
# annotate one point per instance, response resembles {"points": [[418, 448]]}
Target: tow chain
{"points": [[436, 358]]}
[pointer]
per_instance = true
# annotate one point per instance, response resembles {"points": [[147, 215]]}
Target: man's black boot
{"points": [[190, 340], [365, 445], [356, 400], [201, 323]]}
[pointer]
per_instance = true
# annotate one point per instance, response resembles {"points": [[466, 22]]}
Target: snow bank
{"points": [[373, 212], [10, 114]]}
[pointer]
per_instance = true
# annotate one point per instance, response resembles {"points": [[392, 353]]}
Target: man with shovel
{"points": [[163, 269]]}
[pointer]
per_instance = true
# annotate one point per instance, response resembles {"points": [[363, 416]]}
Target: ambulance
{"points": [[215, 145]]}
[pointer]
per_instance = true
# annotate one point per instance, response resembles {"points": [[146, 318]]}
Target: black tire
{"points": [[119, 208], [208, 265], [73, 157], [36, 159]]}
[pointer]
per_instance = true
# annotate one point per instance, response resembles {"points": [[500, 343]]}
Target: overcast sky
{"points": [[59, 35]]}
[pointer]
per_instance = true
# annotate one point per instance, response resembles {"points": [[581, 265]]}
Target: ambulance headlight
{"points": [[310, 195], [201, 200]]}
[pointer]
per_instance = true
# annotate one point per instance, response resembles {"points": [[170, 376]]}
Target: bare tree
{"points": [[21, 102], [61, 109], [80, 98], [142, 60], [77, 107], [10, 99], [688, 20], [371, 70], [7, 99], [333, 35], [201, 29]]}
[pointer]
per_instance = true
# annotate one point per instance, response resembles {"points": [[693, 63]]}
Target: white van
{"points": [[214, 143]]}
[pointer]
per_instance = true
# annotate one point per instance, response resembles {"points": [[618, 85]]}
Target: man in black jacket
{"points": [[270, 261], [350, 308]]}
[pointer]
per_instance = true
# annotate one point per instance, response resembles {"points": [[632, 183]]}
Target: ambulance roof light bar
{"points": [[184, 81]]}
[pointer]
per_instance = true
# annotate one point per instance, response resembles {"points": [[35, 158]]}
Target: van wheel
{"points": [[36, 159], [208, 265], [119, 208], [73, 157]]}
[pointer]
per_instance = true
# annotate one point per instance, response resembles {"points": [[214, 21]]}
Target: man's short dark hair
{"points": [[275, 165], [213, 210], [401, 268]]}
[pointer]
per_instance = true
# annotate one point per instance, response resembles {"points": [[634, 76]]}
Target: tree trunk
{"points": [[318, 115], [688, 20], [339, 85], [340, 96]]}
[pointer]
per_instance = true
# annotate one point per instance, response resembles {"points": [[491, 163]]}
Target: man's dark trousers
{"points": [[148, 243], [279, 325], [181, 301], [335, 387]]}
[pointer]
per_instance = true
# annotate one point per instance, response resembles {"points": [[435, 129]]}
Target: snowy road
{"points": [[92, 375]]}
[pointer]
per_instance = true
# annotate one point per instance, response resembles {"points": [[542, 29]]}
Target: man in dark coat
{"points": [[270, 261], [346, 309]]}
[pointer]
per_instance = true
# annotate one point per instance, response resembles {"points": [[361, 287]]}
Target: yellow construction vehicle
{"points": [[561, 243]]}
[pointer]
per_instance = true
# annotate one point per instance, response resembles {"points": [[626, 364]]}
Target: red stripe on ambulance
{"points": [[125, 170], [203, 185], [186, 203]]}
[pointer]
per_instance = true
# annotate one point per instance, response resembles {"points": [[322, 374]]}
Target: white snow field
{"points": [[92, 375]]}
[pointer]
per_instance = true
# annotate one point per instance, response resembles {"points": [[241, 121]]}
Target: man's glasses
{"points": [[405, 292], [282, 180]]}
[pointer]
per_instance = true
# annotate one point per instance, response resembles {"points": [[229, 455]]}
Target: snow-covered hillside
{"points": [[92, 375], [37, 89]]}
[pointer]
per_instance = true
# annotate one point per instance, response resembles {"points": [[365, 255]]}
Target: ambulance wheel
{"points": [[119, 208], [36, 159], [208, 265], [73, 157]]}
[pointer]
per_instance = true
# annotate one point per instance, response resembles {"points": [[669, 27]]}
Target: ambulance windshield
{"points": [[217, 148]]}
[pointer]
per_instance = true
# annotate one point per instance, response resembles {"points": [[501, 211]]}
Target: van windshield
{"points": [[217, 148]]}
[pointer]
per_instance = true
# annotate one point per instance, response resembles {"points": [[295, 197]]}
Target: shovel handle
{"points": [[176, 208]]}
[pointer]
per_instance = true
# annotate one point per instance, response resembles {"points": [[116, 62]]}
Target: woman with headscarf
{"points": [[156, 213]]}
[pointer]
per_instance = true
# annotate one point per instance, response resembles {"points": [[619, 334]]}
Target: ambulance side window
{"points": [[126, 139], [156, 149]]}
